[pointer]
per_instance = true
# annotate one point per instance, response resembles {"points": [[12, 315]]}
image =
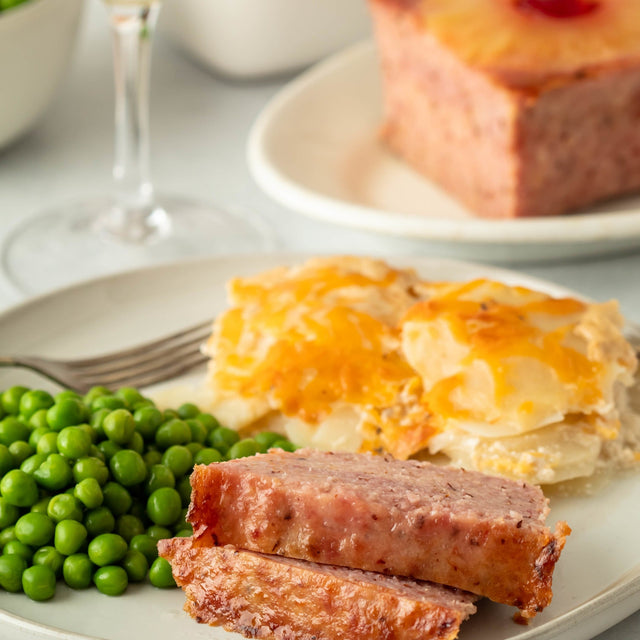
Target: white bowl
{"points": [[254, 38], [36, 41]]}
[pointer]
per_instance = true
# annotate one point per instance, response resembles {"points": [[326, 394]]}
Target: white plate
{"points": [[597, 581], [315, 149]]}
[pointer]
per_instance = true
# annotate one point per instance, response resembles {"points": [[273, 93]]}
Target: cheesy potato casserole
{"points": [[352, 354]]}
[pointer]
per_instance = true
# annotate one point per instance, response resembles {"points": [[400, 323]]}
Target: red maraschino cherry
{"points": [[560, 8]]}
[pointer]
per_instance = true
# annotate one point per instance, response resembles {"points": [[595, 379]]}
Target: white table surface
{"points": [[199, 128]]}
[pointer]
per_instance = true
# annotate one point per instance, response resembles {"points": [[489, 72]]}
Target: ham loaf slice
{"points": [[479, 533], [264, 596]]}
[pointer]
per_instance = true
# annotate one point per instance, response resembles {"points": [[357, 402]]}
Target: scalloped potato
{"points": [[352, 354]]}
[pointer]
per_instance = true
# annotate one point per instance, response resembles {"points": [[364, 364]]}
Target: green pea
{"points": [[41, 506], [39, 582], [152, 457], [19, 488], [39, 420], [34, 400], [160, 574], [20, 450], [107, 548], [54, 473], [119, 426], [108, 449], [163, 506], [10, 399], [159, 476], [12, 429], [208, 421], [147, 421], [99, 521], [130, 395], [198, 431], [285, 445], [222, 439], [184, 489], [138, 508], [69, 537], [97, 422], [183, 533], [73, 442], [9, 513], [66, 395], [49, 557], [243, 449], [88, 491], [193, 448], [90, 467], [128, 468], [156, 532], [6, 460], [173, 432], [64, 507], [207, 456], [111, 580], [136, 443], [147, 402], [15, 547], [66, 413], [108, 402], [77, 571], [94, 393], [32, 463], [116, 498], [47, 443], [34, 529], [90, 431], [146, 545], [266, 438], [136, 565], [11, 569], [170, 414], [128, 526], [7, 535], [94, 452], [188, 410], [36, 434], [179, 459]]}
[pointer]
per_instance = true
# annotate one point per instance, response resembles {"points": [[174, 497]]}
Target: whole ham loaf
{"points": [[264, 596], [479, 533]]}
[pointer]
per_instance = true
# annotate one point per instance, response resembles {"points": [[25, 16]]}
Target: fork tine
{"points": [[165, 353], [199, 331], [142, 378], [136, 368]]}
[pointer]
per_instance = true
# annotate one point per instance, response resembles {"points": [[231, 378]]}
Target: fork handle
{"points": [[8, 361]]}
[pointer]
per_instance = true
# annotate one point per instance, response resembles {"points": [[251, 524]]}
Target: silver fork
{"points": [[139, 366]]}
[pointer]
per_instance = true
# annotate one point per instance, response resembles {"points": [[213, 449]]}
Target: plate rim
{"points": [[618, 599], [584, 227]]}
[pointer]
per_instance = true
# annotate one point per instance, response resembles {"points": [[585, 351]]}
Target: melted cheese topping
{"points": [[352, 354]]}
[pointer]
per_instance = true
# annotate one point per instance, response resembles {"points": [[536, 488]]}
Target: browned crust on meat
{"points": [[505, 151], [265, 597], [479, 533]]}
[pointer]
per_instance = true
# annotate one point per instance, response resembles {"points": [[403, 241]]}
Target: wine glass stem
{"points": [[132, 26]]}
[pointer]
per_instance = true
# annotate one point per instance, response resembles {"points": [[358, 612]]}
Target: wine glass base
{"points": [[85, 240]]}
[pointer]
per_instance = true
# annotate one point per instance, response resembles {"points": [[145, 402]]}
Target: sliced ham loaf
{"points": [[264, 596], [464, 529]]}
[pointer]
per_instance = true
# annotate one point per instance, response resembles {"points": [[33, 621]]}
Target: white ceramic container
{"points": [[256, 38], [36, 41]]}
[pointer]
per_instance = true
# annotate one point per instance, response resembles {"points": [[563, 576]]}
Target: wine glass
{"points": [[134, 226]]}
